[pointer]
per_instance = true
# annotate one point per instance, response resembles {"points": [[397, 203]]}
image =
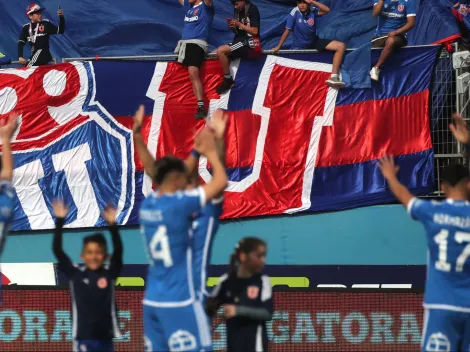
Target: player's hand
{"points": [[59, 208], [276, 49], [459, 129], [229, 311], [109, 214], [218, 123], [60, 12], [388, 167], [392, 34], [138, 119], [7, 128], [22, 60], [205, 141]]}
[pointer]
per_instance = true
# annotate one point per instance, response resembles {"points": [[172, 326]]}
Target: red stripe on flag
{"points": [[369, 130]]}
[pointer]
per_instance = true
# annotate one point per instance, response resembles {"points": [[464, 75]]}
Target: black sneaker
{"points": [[225, 85], [201, 113]]}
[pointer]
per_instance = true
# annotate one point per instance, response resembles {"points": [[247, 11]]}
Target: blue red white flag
{"points": [[293, 144]]}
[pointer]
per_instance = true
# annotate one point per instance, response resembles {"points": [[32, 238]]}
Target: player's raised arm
{"points": [[6, 133], [109, 215], [147, 159], [60, 212], [390, 171], [206, 143]]}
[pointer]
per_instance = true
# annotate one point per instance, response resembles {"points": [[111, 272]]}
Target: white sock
{"points": [[333, 75]]}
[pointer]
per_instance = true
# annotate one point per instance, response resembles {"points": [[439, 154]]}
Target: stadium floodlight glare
{"points": [[463, 82], [461, 59]]}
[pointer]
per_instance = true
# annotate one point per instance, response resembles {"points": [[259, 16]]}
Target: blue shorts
{"points": [[177, 329], [93, 345], [446, 330]]}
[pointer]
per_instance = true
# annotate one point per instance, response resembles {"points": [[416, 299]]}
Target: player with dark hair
{"points": [[246, 297], [174, 319], [447, 224], [7, 194], [95, 322], [246, 43], [193, 46], [37, 33], [302, 23]]}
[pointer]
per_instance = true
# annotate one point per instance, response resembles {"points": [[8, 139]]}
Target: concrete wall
{"points": [[380, 235]]}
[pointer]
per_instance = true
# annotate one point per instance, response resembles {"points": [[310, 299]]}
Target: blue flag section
{"points": [[356, 67], [150, 27]]}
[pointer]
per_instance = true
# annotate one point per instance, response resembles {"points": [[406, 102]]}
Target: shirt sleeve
{"points": [[65, 264], [217, 296], [315, 10], [193, 200], [419, 209], [410, 8], [255, 19], [23, 39], [290, 20]]}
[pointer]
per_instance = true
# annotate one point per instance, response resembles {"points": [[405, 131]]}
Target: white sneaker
{"points": [[374, 74]]}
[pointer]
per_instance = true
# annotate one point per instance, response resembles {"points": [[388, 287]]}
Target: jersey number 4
{"points": [[160, 239], [441, 240]]}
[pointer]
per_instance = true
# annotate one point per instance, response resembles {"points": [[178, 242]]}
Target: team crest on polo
{"points": [[311, 22], [196, 11], [401, 8], [66, 146], [41, 28]]}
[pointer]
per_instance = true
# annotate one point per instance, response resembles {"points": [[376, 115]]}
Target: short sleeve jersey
{"points": [[447, 227], [166, 225], [394, 15], [303, 27], [197, 21]]}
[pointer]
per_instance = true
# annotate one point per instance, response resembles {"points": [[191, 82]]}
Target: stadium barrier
{"points": [[39, 319]]}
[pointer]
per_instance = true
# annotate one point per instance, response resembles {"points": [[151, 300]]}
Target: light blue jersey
{"points": [[205, 226], [394, 15], [7, 206], [447, 226], [166, 223], [198, 21]]}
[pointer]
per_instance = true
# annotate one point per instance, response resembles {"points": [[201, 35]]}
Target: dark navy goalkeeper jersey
{"points": [[94, 311]]}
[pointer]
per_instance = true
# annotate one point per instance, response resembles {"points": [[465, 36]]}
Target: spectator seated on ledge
{"points": [[395, 19], [302, 23], [245, 44], [192, 47]]}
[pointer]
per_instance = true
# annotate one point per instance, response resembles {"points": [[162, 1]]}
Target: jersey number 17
{"points": [[441, 240]]}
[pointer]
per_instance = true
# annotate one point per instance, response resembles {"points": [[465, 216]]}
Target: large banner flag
{"points": [[293, 144]]}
